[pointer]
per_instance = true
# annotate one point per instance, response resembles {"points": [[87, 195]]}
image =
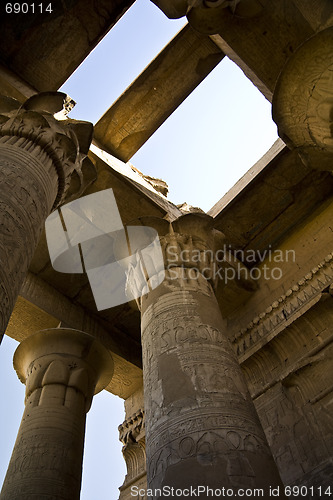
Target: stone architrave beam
{"points": [[156, 93], [252, 33], [303, 101], [43, 161]]}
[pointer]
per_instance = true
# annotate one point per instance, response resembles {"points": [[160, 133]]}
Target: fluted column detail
{"points": [[201, 425], [43, 161], [62, 370]]}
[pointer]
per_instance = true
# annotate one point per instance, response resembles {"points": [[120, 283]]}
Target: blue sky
{"points": [[208, 143]]}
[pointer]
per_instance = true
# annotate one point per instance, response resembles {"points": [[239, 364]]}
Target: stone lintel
{"points": [[132, 193], [249, 177], [294, 192]]}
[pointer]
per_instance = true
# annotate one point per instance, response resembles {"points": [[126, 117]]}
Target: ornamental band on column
{"points": [[62, 370]]}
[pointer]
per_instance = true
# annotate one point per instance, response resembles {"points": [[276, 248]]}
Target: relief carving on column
{"points": [[199, 413], [60, 374], [207, 12], [303, 101], [40, 127], [193, 254], [205, 385], [286, 309], [43, 162], [295, 434], [187, 246]]}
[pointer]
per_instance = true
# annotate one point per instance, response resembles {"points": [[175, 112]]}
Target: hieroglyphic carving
{"points": [[283, 311], [22, 208], [191, 372], [59, 144], [182, 251], [132, 435], [208, 444], [198, 409], [177, 329], [204, 358], [48, 456], [43, 160], [188, 247], [291, 384]]}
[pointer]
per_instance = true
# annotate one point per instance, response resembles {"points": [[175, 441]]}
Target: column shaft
{"points": [[201, 425], [62, 369]]}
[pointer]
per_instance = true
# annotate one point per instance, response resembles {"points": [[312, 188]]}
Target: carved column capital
{"points": [[62, 369], [188, 247], [132, 435], [199, 416], [43, 161], [65, 357], [190, 244], [39, 127], [303, 101]]}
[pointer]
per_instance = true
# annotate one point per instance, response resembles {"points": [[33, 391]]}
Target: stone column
{"points": [[201, 425], [42, 161], [62, 369], [303, 101]]}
